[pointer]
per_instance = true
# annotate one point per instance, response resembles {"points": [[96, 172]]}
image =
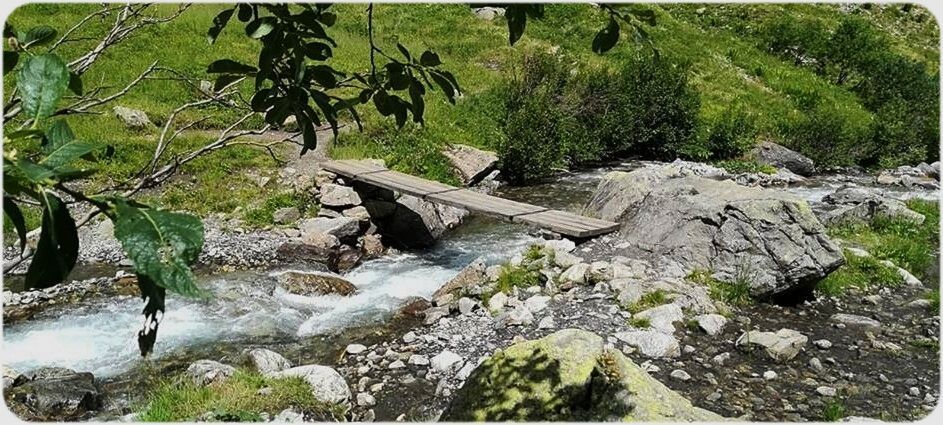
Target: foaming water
{"points": [[99, 335]]}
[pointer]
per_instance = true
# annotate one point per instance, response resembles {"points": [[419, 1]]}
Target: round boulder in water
{"points": [[315, 284]]}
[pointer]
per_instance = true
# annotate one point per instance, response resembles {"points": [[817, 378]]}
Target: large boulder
{"points": [[860, 204], [473, 274], [267, 362], [53, 394], [345, 229], [567, 376], [406, 221], [778, 156], [326, 384], [769, 238], [471, 163], [315, 284]]}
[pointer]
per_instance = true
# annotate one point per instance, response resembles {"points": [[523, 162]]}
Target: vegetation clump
{"points": [[736, 292], [652, 299], [236, 399], [859, 272]]}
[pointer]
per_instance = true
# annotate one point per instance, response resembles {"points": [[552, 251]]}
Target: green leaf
{"points": [[229, 66], [57, 134], [383, 103], [260, 27], [323, 75], [327, 18], [219, 22], [38, 35], [161, 244], [607, 37], [318, 51], [245, 12], [445, 85], [404, 51], [429, 58], [35, 173], [12, 210], [67, 153], [153, 296], [416, 92], [75, 83], [42, 81], [58, 246], [10, 60]]}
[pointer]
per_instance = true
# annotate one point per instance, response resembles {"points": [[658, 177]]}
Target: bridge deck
{"points": [[562, 222]]}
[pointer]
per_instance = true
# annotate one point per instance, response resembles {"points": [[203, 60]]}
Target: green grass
{"points": [[262, 215], [859, 272], [908, 245], [834, 410], [934, 298], [640, 322], [512, 277], [926, 343], [736, 292], [652, 299], [737, 166], [236, 399]]}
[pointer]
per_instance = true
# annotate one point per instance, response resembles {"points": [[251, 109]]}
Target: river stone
{"points": [[719, 225], [359, 212], [267, 361], [337, 196], [855, 320], [445, 361], [552, 379], [56, 394], [343, 228], [781, 345], [408, 221], [372, 246], [778, 156], [315, 284], [575, 274], [663, 317], [471, 163], [207, 372], [565, 260], [651, 343], [473, 274], [326, 384], [433, 314], [713, 324], [599, 271], [858, 204], [132, 118]]}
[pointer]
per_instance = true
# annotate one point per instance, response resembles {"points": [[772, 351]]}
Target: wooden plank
{"points": [[352, 168], [484, 204], [568, 224], [405, 183]]}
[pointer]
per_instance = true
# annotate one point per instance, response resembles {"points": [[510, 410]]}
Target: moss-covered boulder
{"points": [[567, 375]]}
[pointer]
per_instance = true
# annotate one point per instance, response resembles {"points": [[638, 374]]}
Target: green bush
{"points": [[830, 135], [794, 39], [731, 135]]}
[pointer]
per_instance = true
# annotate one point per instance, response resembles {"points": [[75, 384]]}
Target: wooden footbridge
{"points": [[562, 222]]}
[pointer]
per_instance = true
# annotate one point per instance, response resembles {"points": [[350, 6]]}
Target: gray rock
{"points": [[53, 394], [855, 204], [488, 13], [575, 274], [663, 317], [343, 228], [365, 400], [546, 323], [855, 320], [713, 324], [497, 301], [471, 163], [466, 305], [471, 275], [206, 372], [781, 346], [827, 391], [721, 358], [445, 361], [537, 303], [267, 361], [651, 343], [359, 212], [286, 215], [519, 316], [355, 348], [132, 118], [410, 222], [770, 153], [398, 364], [418, 360], [337, 196], [289, 415], [315, 284], [703, 223], [823, 344], [680, 375], [326, 384], [432, 315]]}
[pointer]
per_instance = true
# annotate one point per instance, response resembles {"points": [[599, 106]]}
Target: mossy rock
{"points": [[564, 376]]}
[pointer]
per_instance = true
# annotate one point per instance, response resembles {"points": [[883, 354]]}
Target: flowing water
{"points": [[98, 335]]}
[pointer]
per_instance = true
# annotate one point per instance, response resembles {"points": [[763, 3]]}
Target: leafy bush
{"points": [[829, 135], [737, 166], [798, 40], [731, 135]]}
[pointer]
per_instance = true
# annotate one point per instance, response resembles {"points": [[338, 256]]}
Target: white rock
{"points": [[356, 348], [465, 371], [520, 315], [365, 399], [663, 317], [782, 345], [290, 416], [600, 271], [466, 305], [397, 365], [497, 301], [651, 343], [546, 323], [827, 391], [680, 375], [575, 274], [855, 320], [536, 303], [419, 360], [721, 358], [445, 361], [205, 372], [409, 337], [333, 195], [823, 344], [268, 361], [713, 324], [561, 245], [769, 375], [326, 384]]}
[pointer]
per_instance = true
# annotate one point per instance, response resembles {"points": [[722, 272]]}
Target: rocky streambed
{"points": [[423, 322]]}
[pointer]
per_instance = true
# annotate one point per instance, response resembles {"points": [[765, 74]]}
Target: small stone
{"points": [[714, 396], [816, 364], [680, 375], [419, 360], [769, 375], [497, 301], [445, 361], [823, 344], [855, 320], [286, 215], [713, 324], [364, 399], [827, 391], [356, 348], [397, 365], [466, 305], [721, 358], [914, 391], [546, 323]]}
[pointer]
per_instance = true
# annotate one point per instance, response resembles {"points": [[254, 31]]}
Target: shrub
{"points": [[798, 40], [830, 135], [731, 135]]}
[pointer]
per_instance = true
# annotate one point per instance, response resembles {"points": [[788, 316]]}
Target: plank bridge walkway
{"points": [[562, 222]]}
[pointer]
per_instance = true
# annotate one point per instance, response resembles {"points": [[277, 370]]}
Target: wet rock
{"points": [[207, 372], [651, 343], [713, 324], [132, 118], [445, 361], [267, 361], [315, 284], [473, 274], [286, 215], [856, 321], [326, 384], [471, 163], [770, 153], [322, 241], [781, 345], [415, 307], [551, 379], [344, 259], [337, 196], [56, 394], [372, 246], [699, 222]]}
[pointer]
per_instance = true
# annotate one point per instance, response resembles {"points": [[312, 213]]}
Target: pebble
{"points": [[827, 391], [410, 337], [823, 344], [397, 365], [816, 364], [721, 358], [769, 375], [680, 375], [419, 360], [356, 348], [914, 391], [364, 399]]}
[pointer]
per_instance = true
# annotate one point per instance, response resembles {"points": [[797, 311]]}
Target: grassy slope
{"points": [[726, 67]]}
